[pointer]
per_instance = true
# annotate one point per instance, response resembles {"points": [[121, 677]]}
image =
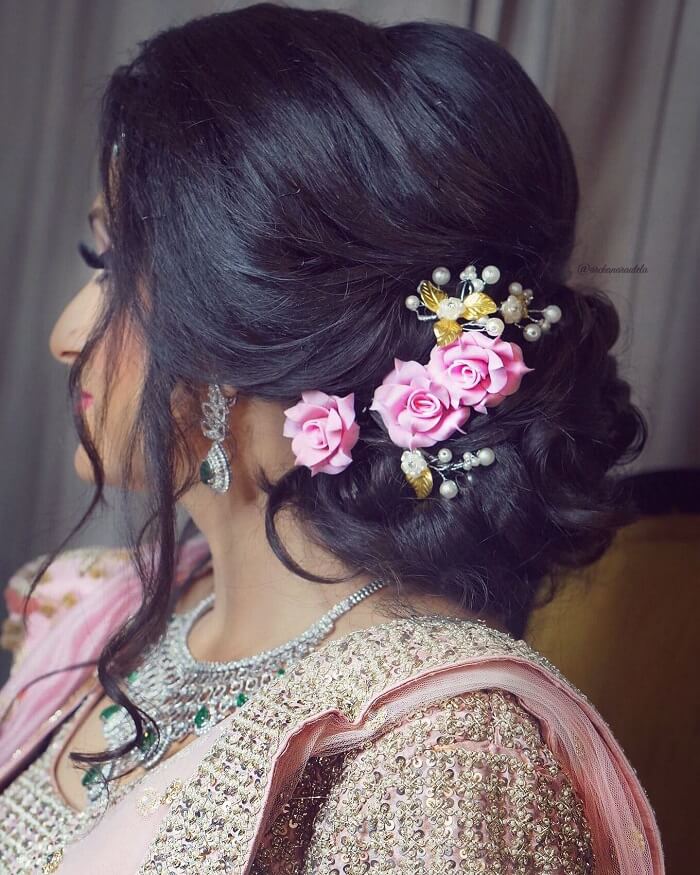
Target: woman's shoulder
{"points": [[464, 784], [366, 662], [463, 781]]}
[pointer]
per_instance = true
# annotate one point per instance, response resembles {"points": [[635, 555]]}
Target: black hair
{"points": [[283, 179]]}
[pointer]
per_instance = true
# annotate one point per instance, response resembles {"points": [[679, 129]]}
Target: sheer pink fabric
{"points": [[76, 635]]}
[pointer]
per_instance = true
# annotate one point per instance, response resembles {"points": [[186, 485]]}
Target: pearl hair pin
{"points": [[477, 308], [417, 464]]}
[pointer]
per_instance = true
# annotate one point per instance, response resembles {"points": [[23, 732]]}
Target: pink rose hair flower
{"points": [[323, 431], [477, 370], [416, 408]]}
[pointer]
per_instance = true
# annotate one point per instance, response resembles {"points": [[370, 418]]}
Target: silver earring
{"points": [[215, 470]]}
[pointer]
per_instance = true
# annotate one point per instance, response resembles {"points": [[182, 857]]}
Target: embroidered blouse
{"points": [[453, 783]]}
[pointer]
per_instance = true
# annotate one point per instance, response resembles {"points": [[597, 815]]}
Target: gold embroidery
{"points": [[420, 788], [148, 802], [172, 791], [639, 839], [212, 823], [46, 609], [151, 799], [53, 861]]}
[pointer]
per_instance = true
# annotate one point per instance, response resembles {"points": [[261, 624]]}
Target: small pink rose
{"points": [[414, 408], [323, 431], [478, 370]]}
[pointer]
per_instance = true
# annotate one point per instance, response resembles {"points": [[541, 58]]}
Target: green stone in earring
{"points": [[205, 472]]}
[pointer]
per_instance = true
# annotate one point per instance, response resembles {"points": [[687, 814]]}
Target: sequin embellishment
{"points": [[211, 826]]}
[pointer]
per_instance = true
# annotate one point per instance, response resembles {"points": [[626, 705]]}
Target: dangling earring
{"points": [[215, 470]]}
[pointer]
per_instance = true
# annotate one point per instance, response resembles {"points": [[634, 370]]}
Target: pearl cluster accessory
{"points": [[417, 464], [476, 308]]}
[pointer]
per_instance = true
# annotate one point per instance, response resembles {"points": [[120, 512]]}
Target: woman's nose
{"points": [[72, 328]]}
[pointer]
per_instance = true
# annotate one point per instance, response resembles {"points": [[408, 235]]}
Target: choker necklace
{"points": [[184, 695]]}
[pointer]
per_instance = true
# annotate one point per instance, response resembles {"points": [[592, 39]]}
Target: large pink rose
{"points": [[416, 409], [478, 370], [323, 431]]}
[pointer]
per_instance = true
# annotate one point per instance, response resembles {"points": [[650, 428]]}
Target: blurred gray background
{"points": [[620, 75]]}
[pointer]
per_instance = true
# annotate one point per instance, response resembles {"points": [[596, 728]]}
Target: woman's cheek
{"points": [[110, 430], [82, 465]]}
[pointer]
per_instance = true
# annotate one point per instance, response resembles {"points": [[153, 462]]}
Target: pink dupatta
{"points": [[78, 635]]}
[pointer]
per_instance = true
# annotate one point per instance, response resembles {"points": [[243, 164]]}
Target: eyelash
{"points": [[94, 260]]}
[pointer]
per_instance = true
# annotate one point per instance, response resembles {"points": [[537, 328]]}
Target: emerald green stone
{"points": [[241, 698], [90, 776], [107, 712], [149, 738], [205, 472], [201, 717], [280, 671], [132, 675]]}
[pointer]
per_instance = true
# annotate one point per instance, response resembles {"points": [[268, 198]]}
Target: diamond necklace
{"points": [[184, 695]]}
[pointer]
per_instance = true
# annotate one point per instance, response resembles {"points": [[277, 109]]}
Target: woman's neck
{"points": [[260, 604]]}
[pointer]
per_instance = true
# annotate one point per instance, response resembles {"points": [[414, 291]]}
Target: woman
{"points": [[380, 464]]}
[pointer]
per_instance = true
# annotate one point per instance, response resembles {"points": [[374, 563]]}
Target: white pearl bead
{"points": [[482, 320], [511, 309], [486, 456], [441, 275], [532, 332], [515, 288], [412, 302], [494, 327], [546, 327], [450, 308], [478, 285], [552, 313], [413, 462], [448, 489], [469, 273], [490, 274], [444, 455]]}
